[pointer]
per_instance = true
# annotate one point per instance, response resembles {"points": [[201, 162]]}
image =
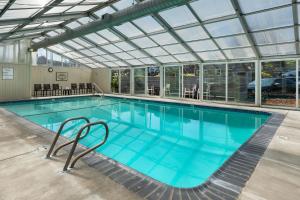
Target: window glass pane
{"points": [[239, 53], [81, 8], [224, 28], [166, 59], [173, 81], [57, 60], [123, 4], [115, 81], [14, 14], [124, 46], [209, 9], [148, 24], [139, 81], [156, 51], [147, 61], [58, 9], [270, 19], [96, 38], [203, 45], [153, 81], [175, 49], [41, 57], [178, 16], [125, 81], [241, 82], [211, 55], [109, 35], [191, 81], [278, 83], [144, 42], [214, 84], [186, 57]]}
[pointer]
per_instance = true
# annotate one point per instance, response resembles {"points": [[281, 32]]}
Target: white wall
{"points": [[101, 76]]}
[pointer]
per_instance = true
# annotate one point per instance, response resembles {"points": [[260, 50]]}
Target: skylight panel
{"points": [[148, 24], [166, 59], [147, 61], [125, 46], [109, 57], [110, 64], [97, 51], [210, 9], [239, 53], [103, 11], [57, 9], [175, 49], [123, 56], [4, 29], [256, 5], [81, 42], [109, 35], [129, 30], [137, 54], [278, 50], [16, 14], [100, 59], [123, 4], [85, 20], [111, 48], [225, 28], [164, 38], [193, 33], [31, 26], [96, 38], [120, 63], [233, 41], [81, 8], [186, 57], [73, 44], [71, 1], [274, 36], [18, 4], [156, 51], [144, 42], [204, 45], [88, 52], [211, 55], [134, 62], [270, 19], [178, 16]]}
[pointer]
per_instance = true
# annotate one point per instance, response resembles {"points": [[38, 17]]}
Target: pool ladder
{"points": [[75, 141]]}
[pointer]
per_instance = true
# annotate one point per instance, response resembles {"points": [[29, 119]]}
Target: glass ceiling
{"points": [[199, 31]]}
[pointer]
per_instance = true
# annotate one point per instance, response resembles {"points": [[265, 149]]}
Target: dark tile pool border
{"points": [[226, 183]]}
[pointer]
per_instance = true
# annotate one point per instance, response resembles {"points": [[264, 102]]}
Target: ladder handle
{"points": [[60, 130], [89, 150]]}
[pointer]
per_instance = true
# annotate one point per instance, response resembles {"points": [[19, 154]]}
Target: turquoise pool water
{"points": [[179, 145]]}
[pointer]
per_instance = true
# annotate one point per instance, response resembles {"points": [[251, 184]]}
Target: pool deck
{"points": [[26, 174]]}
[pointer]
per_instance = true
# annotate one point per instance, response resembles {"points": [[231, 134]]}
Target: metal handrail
{"points": [[59, 132], [88, 150], [98, 88]]}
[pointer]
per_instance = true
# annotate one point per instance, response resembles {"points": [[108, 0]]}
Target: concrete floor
{"points": [[26, 174]]}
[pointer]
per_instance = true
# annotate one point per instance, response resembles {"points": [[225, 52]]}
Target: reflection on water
{"points": [[177, 145]]}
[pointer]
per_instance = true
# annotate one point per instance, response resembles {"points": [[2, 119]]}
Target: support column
{"points": [[297, 83], [258, 83], [162, 81]]}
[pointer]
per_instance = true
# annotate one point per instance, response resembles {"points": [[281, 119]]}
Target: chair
{"points": [[82, 88], [188, 93], [36, 89], [46, 88], [90, 88], [151, 90], [167, 89], [56, 88], [74, 88]]}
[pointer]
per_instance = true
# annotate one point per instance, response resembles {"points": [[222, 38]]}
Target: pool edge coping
{"points": [[227, 182]]}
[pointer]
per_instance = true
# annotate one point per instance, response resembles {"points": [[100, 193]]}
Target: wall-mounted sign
{"points": [[7, 73], [61, 76]]}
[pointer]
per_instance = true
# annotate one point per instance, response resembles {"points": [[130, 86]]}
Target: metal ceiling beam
{"points": [[31, 30], [136, 11], [6, 7], [245, 27]]}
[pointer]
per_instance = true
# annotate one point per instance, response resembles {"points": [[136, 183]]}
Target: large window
{"points": [[278, 83], [191, 81], [115, 81], [214, 82], [153, 81], [125, 81], [139, 81], [241, 82], [173, 81]]}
